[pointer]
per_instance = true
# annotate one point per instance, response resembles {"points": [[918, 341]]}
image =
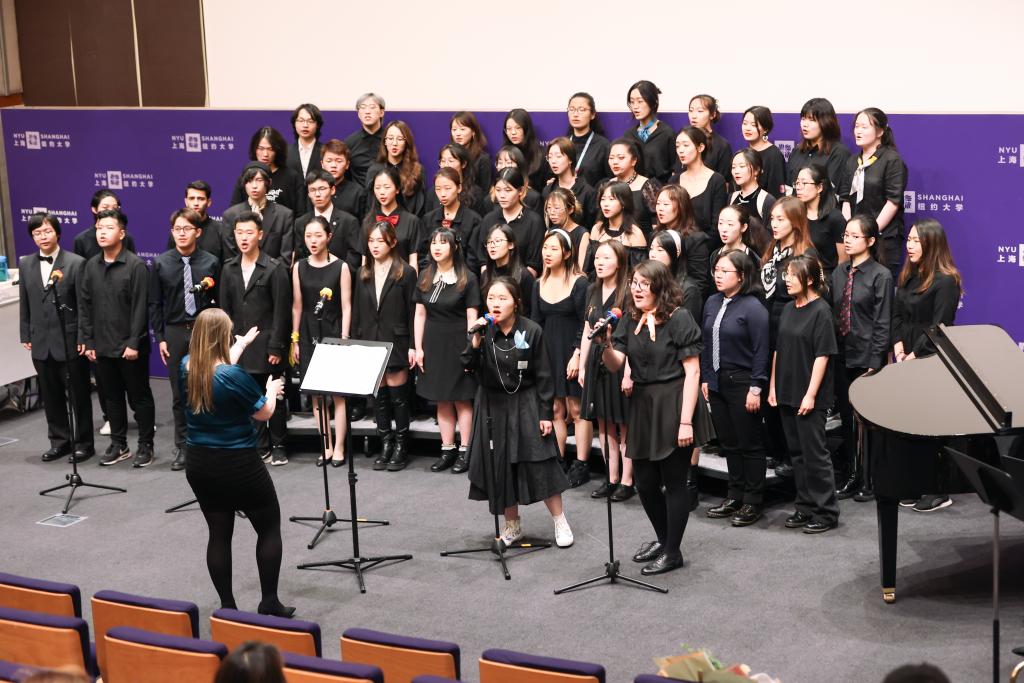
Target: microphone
{"points": [[204, 284], [480, 327], [326, 294], [610, 318], [55, 276]]}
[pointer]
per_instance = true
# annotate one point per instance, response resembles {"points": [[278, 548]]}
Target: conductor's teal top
{"points": [[236, 396]]}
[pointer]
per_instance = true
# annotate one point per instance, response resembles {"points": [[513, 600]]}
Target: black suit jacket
{"points": [[346, 239], [265, 303], [277, 222], [40, 325], [295, 161], [392, 320]]}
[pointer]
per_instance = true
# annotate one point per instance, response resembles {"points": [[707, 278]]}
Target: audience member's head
{"points": [[252, 663], [67, 674], [916, 673]]}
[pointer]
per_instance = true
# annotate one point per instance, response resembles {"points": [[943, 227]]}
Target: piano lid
{"points": [[933, 396]]}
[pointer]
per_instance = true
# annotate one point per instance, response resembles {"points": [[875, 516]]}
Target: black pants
{"points": [[668, 511], [52, 387], [272, 433], [740, 436], [177, 338], [129, 378], [812, 464], [844, 378]]}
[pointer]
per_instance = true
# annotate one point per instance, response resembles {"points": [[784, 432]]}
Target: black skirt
{"points": [[444, 378], [525, 467], [602, 391], [654, 419], [229, 479]]}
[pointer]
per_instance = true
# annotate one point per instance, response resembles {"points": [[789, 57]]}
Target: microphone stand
{"points": [[611, 567], [74, 480], [497, 546]]}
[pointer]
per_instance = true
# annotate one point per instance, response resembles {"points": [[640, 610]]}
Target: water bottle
{"points": [[3, 269]]}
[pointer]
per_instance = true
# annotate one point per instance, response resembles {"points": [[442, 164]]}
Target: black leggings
{"points": [[670, 511], [266, 521]]}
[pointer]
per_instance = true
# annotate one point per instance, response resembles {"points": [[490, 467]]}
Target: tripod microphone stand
{"points": [[74, 480], [498, 546], [611, 567]]}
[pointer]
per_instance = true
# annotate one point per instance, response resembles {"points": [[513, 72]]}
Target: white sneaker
{"points": [[513, 532], [563, 534], [105, 429]]}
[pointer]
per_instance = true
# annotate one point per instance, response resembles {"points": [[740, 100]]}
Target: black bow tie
{"points": [[48, 259]]}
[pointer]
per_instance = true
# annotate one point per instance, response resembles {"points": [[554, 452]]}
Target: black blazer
{"points": [[295, 161], [392, 320], [346, 239], [266, 303], [277, 222], [39, 323]]}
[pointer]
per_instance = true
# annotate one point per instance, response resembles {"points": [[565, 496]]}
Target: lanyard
{"points": [[579, 162]]}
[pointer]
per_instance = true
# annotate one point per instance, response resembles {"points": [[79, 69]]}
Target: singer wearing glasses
{"points": [[181, 284]]}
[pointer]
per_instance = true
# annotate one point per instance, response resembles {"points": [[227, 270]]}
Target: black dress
{"points": [[602, 395], [390, 318], [562, 322], [718, 156], [311, 281], [826, 232], [657, 371], [708, 204], [773, 170], [517, 392], [592, 157], [444, 335]]}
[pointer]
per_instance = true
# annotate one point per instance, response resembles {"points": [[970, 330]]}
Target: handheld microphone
{"points": [[610, 318], [480, 327], [55, 276], [326, 294], [204, 284]]}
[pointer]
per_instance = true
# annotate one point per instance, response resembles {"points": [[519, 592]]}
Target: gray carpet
{"points": [[804, 608]]}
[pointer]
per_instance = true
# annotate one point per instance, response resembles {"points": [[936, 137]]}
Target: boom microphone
{"points": [[480, 327], [204, 284], [326, 294], [610, 318]]}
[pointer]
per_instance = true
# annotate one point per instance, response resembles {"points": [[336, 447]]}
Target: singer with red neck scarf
{"points": [[174, 303]]}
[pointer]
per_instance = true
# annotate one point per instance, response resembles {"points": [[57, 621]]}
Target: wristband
{"points": [[295, 336]]}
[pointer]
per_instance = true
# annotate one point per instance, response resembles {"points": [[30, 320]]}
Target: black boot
{"points": [[387, 436], [401, 457], [448, 456], [461, 462], [691, 487], [850, 485], [387, 450]]}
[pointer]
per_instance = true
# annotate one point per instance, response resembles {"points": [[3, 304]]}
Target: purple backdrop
{"points": [[57, 158]]}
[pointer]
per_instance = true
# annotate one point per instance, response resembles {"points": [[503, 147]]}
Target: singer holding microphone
{"points": [[222, 464], [662, 343], [516, 390], [180, 286]]}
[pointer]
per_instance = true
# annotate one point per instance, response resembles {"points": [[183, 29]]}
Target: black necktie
{"points": [[48, 259]]}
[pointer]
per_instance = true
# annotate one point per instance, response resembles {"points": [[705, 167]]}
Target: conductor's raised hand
{"points": [[546, 427], [275, 386]]}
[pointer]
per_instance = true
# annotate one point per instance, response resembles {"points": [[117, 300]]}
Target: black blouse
{"points": [[660, 360], [350, 198], [718, 157], [465, 224], [697, 248], [659, 152], [773, 171], [585, 195], [759, 203], [884, 180], [826, 232], [915, 312], [708, 204], [411, 239], [592, 165], [415, 203], [836, 161], [805, 333], [528, 228]]}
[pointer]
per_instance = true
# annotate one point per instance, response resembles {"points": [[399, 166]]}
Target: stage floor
{"points": [[805, 608]]}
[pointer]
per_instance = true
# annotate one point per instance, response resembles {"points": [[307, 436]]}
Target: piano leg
{"points": [[888, 519]]}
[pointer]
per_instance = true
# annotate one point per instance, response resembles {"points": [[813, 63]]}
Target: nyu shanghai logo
{"points": [[786, 147], [198, 143], [919, 202], [122, 180], [1011, 156], [34, 140], [66, 216], [1010, 254]]}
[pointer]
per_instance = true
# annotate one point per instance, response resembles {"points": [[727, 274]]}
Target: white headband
{"points": [[678, 240], [563, 233]]}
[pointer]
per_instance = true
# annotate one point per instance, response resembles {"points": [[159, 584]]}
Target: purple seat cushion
{"points": [[137, 635], [278, 623], [655, 678], [327, 666], [367, 636], [53, 621], [47, 587], [433, 679], [565, 666], [154, 603], [9, 671]]}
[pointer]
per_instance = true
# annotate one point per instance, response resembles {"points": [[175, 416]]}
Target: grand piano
{"points": [[969, 395]]}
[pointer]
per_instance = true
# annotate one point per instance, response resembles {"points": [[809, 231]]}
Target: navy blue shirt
{"points": [[742, 339], [236, 396]]}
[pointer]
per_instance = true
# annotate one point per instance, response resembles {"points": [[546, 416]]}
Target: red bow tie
{"points": [[392, 219]]}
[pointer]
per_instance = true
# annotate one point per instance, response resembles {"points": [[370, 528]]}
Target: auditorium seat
{"points": [[400, 658], [506, 666], [303, 669], [44, 640], [170, 617], [137, 656], [234, 627], [38, 595], [11, 671], [433, 679]]}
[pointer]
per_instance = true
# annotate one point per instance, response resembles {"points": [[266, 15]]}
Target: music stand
{"points": [[348, 367], [1002, 492]]}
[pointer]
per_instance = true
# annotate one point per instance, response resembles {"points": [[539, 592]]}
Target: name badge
{"points": [[522, 365]]}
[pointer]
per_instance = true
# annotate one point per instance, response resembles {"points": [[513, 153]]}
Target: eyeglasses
{"points": [[640, 286], [495, 243], [578, 110], [803, 183], [513, 129], [723, 271], [304, 121], [393, 140], [179, 230], [852, 236], [44, 232], [319, 190]]}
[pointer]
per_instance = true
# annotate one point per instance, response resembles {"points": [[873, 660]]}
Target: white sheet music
{"points": [[349, 369]]}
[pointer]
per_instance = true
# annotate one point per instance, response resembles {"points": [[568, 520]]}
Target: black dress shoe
{"points": [[81, 455], [784, 470], [461, 462], [848, 489], [446, 460], [663, 564], [622, 492], [179, 460], [797, 520], [54, 454], [648, 551], [865, 495], [276, 609], [728, 508], [747, 515], [604, 490], [819, 526]]}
